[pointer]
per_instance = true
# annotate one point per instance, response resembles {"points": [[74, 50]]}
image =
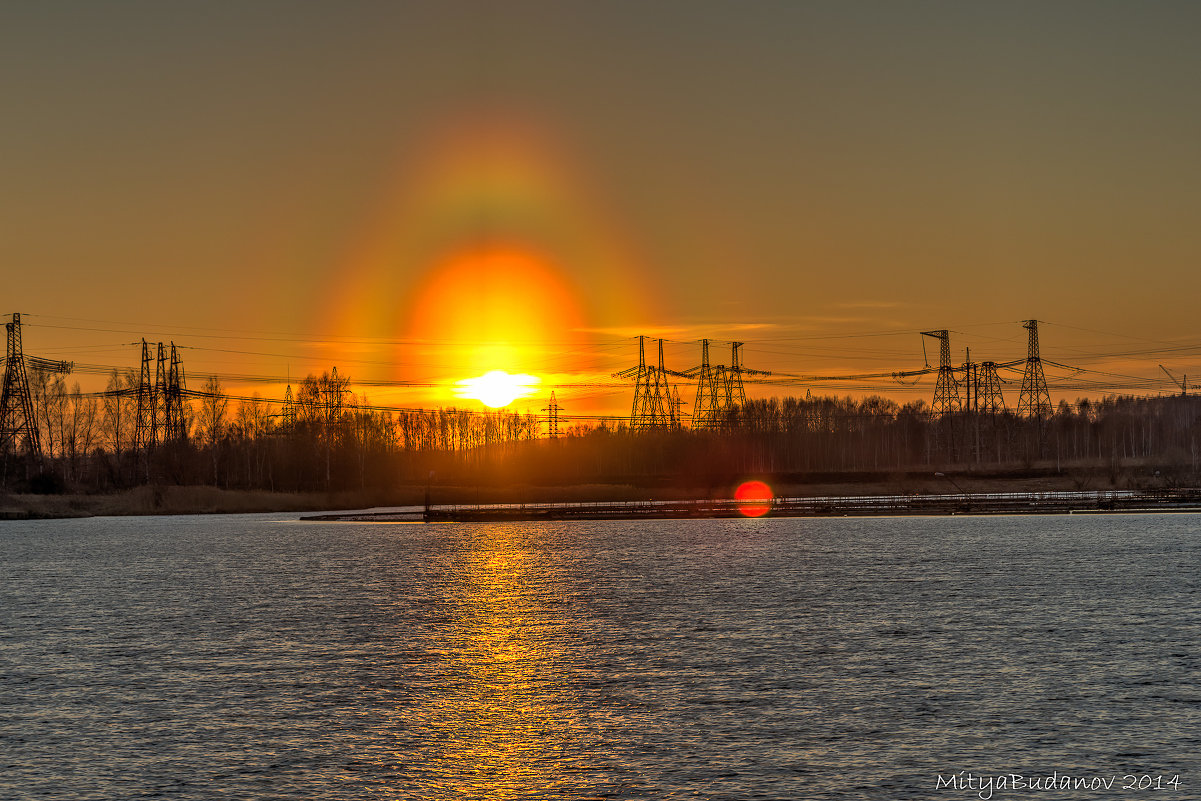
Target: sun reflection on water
{"points": [[501, 721]]}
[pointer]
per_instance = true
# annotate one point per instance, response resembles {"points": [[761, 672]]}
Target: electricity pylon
{"points": [[653, 404], [143, 431], [176, 425], [989, 397], [704, 413], [946, 388], [644, 412], [17, 424], [334, 392], [719, 389], [552, 417], [735, 391], [158, 406], [1035, 400], [289, 417]]}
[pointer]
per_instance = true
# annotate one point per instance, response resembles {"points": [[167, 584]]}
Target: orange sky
{"points": [[282, 188]]}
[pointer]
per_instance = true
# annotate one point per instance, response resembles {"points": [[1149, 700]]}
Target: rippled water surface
{"points": [[256, 657]]}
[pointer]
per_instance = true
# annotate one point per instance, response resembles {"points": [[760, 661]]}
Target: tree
{"points": [[49, 394], [211, 420], [80, 427], [118, 410]]}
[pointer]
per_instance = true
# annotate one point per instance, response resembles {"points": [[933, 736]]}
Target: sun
{"points": [[498, 389], [499, 311]]}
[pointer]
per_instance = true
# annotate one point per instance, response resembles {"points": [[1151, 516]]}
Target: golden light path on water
{"points": [[499, 720]]}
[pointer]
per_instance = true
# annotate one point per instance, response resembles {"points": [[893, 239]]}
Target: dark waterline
{"points": [[252, 657]]}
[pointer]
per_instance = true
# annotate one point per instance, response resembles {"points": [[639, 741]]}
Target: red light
{"points": [[754, 498]]}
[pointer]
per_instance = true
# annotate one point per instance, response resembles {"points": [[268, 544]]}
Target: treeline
{"points": [[330, 438]]}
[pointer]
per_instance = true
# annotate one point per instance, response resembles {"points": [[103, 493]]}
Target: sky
{"points": [[421, 192]]}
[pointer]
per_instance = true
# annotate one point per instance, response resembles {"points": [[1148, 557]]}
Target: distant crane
{"points": [[1182, 384]]}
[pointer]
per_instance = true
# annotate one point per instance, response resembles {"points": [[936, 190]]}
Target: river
{"points": [[259, 657]]}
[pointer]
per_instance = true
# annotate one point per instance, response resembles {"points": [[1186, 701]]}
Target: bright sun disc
{"points": [[497, 388]]}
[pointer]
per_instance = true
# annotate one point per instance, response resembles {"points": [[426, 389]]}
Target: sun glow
{"points": [[488, 250], [498, 389], [493, 304]]}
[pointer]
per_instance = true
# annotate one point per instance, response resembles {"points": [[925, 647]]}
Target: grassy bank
{"points": [[176, 501], [172, 500]]}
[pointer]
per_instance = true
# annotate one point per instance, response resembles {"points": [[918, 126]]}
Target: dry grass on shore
{"points": [[172, 500], [178, 501]]}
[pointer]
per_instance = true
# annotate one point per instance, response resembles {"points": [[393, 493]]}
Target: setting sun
{"points": [[494, 304], [497, 388]]}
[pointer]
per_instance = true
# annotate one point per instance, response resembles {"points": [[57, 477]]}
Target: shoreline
{"points": [[1015, 503], [958, 494]]}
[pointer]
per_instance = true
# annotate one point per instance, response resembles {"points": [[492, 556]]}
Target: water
{"points": [[256, 657]]}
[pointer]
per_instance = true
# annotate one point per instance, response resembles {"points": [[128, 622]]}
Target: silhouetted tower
{"points": [[971, 382], [989, 398], [17, 424], [1035, 400], [946, 388], [334, 392], [667, 395], [652, 395], [704, 412], [176, 424], [158, 408], [143, 432], [289, 417], [720, 389], [643, 408], [734, 390], [552, 418]]}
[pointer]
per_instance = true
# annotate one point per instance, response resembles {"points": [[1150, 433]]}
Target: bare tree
{"points": [[211, 420], [49, 394], [81, 424], [118, 410]]}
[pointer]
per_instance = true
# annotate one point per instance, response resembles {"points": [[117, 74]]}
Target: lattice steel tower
{"points": [[652, 394], [720, 389], [143, 432], [946, 389], [734, 390], [176, 428], [677, 408], [1035, 400], [552, 417], [335, 390], [17, 424], [289, 415], [989, 397], [158, 407], [704, 413]]}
